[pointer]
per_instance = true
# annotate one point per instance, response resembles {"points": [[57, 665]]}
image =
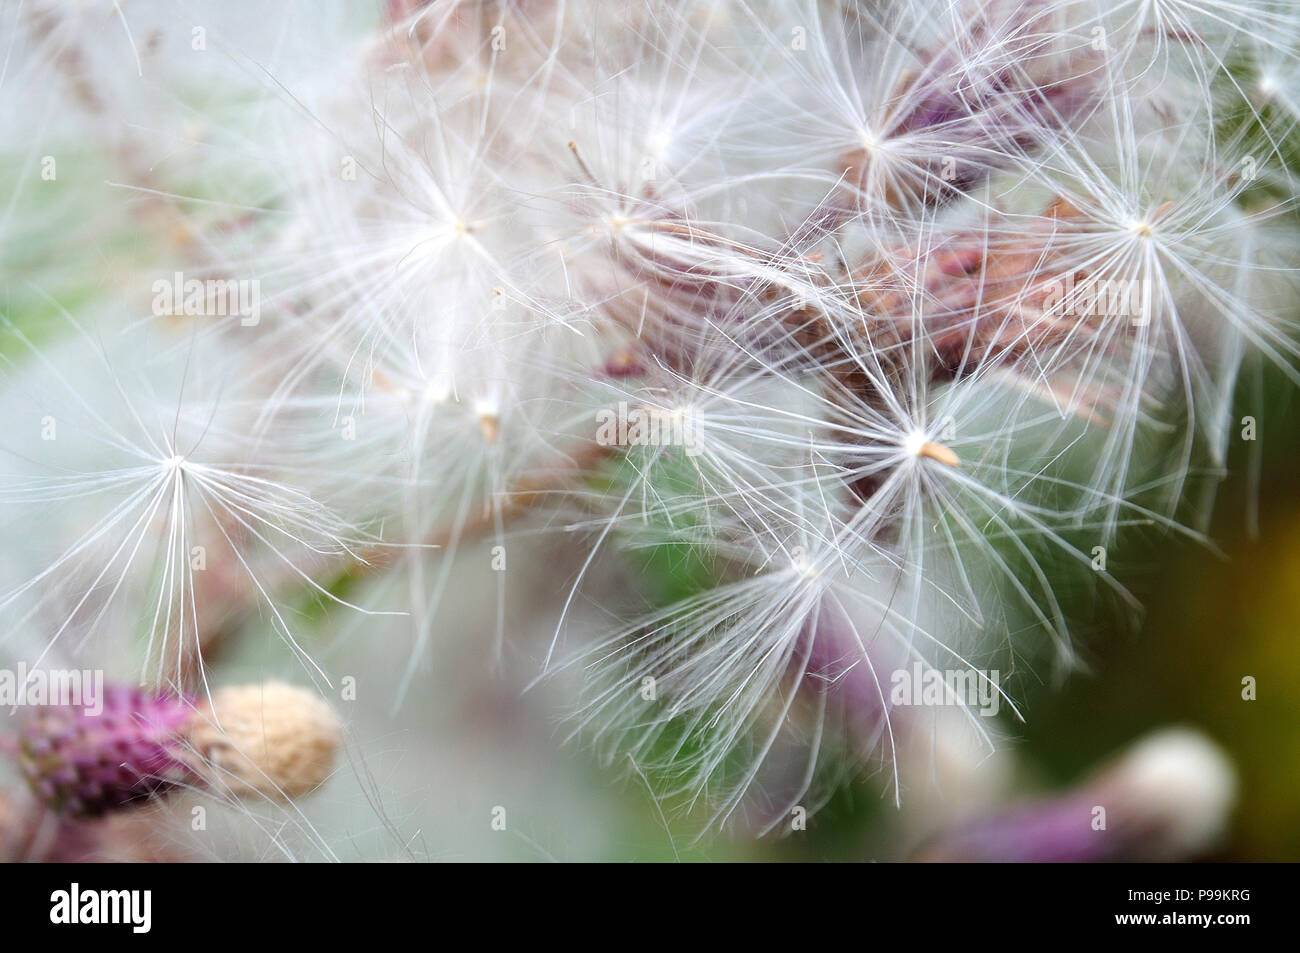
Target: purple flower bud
{"points": [[1167, 798], [85, 765]]}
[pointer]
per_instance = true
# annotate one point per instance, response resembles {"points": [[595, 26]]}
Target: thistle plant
{"points": [[829, 341], [268, 740]]}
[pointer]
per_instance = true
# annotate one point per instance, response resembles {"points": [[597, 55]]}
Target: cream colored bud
{"points": [[273, 740]]}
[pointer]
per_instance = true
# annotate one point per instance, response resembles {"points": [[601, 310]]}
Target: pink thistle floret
{"points": [[82, 764]]}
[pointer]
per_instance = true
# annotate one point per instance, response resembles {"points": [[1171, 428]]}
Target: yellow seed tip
{"points": [[938, 453]]}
